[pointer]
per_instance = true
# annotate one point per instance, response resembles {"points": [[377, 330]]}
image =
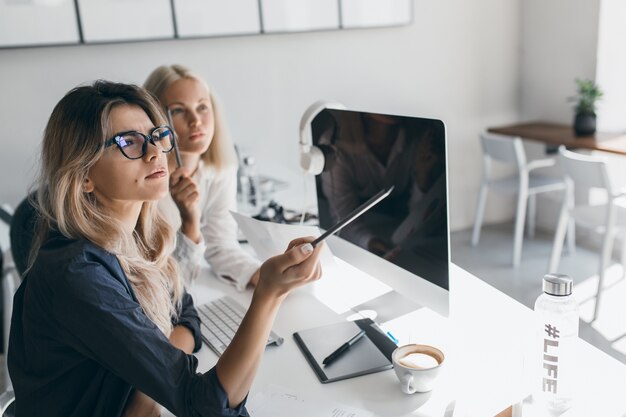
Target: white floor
{"points": [[491, 261]]}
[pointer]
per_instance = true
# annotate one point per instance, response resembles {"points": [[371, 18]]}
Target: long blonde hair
{"points": [[221, 151], [73, 142]]}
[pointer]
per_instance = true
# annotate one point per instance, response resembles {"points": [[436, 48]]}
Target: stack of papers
{"points": [[277, 401], [270, 239]]}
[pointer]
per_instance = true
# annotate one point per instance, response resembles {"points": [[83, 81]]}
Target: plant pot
{"points": [[585, 124]]}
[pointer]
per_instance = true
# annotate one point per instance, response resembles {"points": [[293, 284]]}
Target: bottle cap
{"points": [[557, 284]]}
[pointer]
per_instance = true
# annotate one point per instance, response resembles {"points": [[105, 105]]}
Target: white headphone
{"points": [[311, 157]]}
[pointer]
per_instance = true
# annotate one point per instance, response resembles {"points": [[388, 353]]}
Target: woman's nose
{"points": [[152, 151], [194, 119]]}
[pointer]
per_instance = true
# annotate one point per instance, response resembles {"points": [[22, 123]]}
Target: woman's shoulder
{"points": [[71, 277], [63, 249], [66, 261]]}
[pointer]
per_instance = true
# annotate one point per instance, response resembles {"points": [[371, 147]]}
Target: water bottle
{"points": [[557, 323], [249, 196]]}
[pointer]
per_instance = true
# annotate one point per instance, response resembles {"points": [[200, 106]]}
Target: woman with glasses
{"points": [[203, 190], [101, 324]]}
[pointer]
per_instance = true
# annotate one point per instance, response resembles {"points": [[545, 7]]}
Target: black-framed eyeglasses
{"points": [[134, 145]]}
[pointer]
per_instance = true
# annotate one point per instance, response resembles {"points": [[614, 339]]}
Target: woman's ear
{"points": [[88, 185]]}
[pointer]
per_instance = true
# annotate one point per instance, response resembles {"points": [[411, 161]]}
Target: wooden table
{"points": [[559, 134]]}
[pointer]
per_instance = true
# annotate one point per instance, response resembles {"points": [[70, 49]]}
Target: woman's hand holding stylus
{"points": [[299, 265], [279, 275], [185, 194]]}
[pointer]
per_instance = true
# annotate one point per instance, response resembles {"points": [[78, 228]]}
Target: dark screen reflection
{"points": [[366, 152]]}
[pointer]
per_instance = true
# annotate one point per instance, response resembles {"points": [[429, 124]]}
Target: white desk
{"points": [[487, 341]]}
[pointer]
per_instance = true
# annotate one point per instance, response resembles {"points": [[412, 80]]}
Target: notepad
{"points": [[372, 354]]}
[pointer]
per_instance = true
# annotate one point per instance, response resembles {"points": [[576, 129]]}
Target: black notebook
{"points": [[372, 354]]}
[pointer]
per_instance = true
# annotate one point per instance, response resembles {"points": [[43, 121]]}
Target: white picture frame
{"points": [[299, 15], [38, 22], [375, 13], [196, 18], [125, 20]]}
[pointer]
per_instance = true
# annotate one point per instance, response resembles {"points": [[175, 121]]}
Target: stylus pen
{"points": [[179, 163], [354, 214], [341, 349]]}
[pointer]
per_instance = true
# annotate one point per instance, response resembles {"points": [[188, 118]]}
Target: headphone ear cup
{"points": [[330, 155], [312, 161]]}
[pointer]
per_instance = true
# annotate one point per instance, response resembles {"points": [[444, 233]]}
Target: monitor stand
{"points": [[386, 307]]}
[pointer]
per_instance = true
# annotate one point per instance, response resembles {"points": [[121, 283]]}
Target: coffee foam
{"points": [[418, 360]]}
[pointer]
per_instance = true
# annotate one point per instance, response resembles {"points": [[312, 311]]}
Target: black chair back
{"points": [[23, 228]]}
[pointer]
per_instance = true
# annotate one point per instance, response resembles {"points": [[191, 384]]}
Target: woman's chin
{"points": [[158, 193], [198, 147]]}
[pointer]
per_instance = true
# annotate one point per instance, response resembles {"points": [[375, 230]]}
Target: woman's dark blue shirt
{"points": [[80, 342]]}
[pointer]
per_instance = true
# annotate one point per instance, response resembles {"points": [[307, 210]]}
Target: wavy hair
{"points": [[73, 142], [221, 151]]}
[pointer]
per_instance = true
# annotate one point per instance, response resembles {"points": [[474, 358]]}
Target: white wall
{"points": [[611, 77], [611, 73], [458, 61], [559, 44]]}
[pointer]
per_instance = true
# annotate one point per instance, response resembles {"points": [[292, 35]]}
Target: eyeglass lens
{"points": [[132, 143]]}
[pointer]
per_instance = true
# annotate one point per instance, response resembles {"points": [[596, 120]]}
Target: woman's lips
{"points": [[196, 136], [160, 173]]}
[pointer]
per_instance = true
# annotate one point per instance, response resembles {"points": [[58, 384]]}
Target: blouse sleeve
{"points": [[188, 317], [219, 229], [99, 318]]}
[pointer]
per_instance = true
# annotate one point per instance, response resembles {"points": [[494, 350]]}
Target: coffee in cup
{"points": [[417, 367]]}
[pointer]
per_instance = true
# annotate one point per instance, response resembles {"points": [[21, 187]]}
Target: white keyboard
{"points": [[220, 319]]}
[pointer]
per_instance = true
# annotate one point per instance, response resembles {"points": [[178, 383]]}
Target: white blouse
{"points": [[220, 248]]}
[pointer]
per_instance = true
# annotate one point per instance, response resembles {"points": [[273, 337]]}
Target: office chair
{"points": [[17, 231], [525, 183], [607, 219], [23, 228]]}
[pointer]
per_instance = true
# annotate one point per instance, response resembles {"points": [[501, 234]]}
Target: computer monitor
{"points": [[367, 152]]}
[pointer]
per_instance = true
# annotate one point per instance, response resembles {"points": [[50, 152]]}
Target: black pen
{"points": [[341, 349]]}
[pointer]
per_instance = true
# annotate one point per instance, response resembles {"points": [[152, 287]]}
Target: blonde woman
{"points": [[101, 323], [203, 190]]}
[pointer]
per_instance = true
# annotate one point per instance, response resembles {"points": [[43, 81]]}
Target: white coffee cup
{"points": [[417, 367]]}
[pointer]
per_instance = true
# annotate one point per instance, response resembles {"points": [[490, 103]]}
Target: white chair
{"points": [[10, 282], [607, 219], [525, 183], [7, 403]]}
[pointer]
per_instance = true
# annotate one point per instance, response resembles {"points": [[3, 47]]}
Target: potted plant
{"points": [[585, 120]]}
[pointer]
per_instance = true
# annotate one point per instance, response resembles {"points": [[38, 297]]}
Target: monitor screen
{"points": [[368, 152]]}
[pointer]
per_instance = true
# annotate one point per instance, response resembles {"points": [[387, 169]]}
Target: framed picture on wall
{"points": [[372, 13], [125, 20], [216, 17], [299, 15], [37, 22]]}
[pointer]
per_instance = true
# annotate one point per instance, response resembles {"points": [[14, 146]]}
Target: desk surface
{"points": [[487, 340], [559, 134]]}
